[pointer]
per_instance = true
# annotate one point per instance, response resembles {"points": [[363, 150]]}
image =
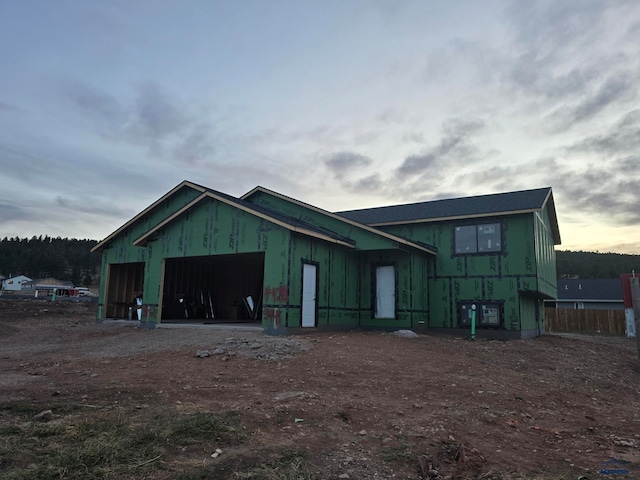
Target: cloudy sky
{"points": [[107, 105]]}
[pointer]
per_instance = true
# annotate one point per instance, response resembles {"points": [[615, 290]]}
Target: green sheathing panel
{"points": [[505, 290], [412, 298], [545, 255], [528, 312], [441, 311], [498, 277], [364, 239], [121, 250], [338, 280], [216, 228]]}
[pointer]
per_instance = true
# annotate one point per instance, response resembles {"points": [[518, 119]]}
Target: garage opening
{"points": [[125, 283], [213, 289]]}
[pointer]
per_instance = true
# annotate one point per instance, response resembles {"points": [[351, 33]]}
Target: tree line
{"points": [[594, 264], [43, 257]]}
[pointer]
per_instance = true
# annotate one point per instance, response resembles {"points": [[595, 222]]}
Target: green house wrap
{"points": [[199, 255]]}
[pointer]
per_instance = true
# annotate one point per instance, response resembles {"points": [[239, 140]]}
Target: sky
{"points": [[343, 104]]}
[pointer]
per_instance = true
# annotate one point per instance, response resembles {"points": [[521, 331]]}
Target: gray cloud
{"points": [[104, 110], [599, 189], [154, 120], [342, 162], [372, 183], [622, 138], [156, 115], [453, 145], [11, 210], [93, 206], [549, 24], [540, 77], [559, 62], [616, 87], [7, 106], [420, 175], [196, 146]]}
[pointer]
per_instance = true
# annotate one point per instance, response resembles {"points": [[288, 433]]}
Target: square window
{"points": [[466, 241], [490, 315], [489, 238]]}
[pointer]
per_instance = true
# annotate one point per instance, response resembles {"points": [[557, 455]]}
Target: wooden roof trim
{"points": [[185, 183], [207, 194], [454, 217], [552, 216], [368, 228], [590, 300]]}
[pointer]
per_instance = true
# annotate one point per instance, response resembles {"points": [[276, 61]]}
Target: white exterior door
{"points": [[386, 292], [309, 295]]}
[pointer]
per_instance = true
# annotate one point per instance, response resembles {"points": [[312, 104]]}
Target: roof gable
{"points": [[333, 217], [172, 192], [289, 223]]}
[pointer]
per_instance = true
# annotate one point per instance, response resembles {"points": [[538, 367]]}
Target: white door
{"points": [[308, 295], [386, 292]]}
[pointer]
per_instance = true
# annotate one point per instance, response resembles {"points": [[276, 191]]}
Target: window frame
{"points": [[481, 305], [477, 249]]}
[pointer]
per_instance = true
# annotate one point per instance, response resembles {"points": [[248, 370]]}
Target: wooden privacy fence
{"points": [[584, 321]]}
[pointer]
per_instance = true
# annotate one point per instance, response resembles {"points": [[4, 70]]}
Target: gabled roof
{"points": [[16, 277], [285, 221], [337, 216], [510, 203], [590, 289], [184, 184], [288, 222]]}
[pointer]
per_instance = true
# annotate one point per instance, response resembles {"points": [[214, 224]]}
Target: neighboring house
{"points": [[201, 254], [47, 286], [589, 294], [14, 284]]}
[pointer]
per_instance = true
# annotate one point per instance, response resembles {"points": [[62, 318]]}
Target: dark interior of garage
{"points": [[213, 289], [125, 283]]}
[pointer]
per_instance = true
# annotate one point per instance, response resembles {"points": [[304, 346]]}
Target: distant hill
{"points": [[595, 265]]}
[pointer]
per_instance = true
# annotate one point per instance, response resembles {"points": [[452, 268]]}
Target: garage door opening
{"points": [[125, 283], [213, 289]]}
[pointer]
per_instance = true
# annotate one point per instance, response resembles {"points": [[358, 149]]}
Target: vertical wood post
{"points": [[635, 296]]}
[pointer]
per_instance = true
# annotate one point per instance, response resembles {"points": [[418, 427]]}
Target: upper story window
{"points": [[485, 238]]}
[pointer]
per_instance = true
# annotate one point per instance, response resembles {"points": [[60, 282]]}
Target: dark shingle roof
{"points": [[590, 289], [454, 208]]}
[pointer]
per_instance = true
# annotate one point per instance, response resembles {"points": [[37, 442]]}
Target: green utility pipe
{"points": [[473, 322], [53, 296]]}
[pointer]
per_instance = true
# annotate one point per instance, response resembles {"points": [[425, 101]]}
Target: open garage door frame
{"points": [[213, 288], [124, 283]]}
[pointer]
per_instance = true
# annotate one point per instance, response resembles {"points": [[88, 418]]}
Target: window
{"points": [[488, 314], [478, 239], [466, 239]]}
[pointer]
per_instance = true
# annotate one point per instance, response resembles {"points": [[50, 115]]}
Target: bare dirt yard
{"points": [[85, 400]]}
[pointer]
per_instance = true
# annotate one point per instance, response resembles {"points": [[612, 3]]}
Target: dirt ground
{"points": [[360, 404]]}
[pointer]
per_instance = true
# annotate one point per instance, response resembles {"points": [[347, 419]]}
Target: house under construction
{"points": [[197, 254]]}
